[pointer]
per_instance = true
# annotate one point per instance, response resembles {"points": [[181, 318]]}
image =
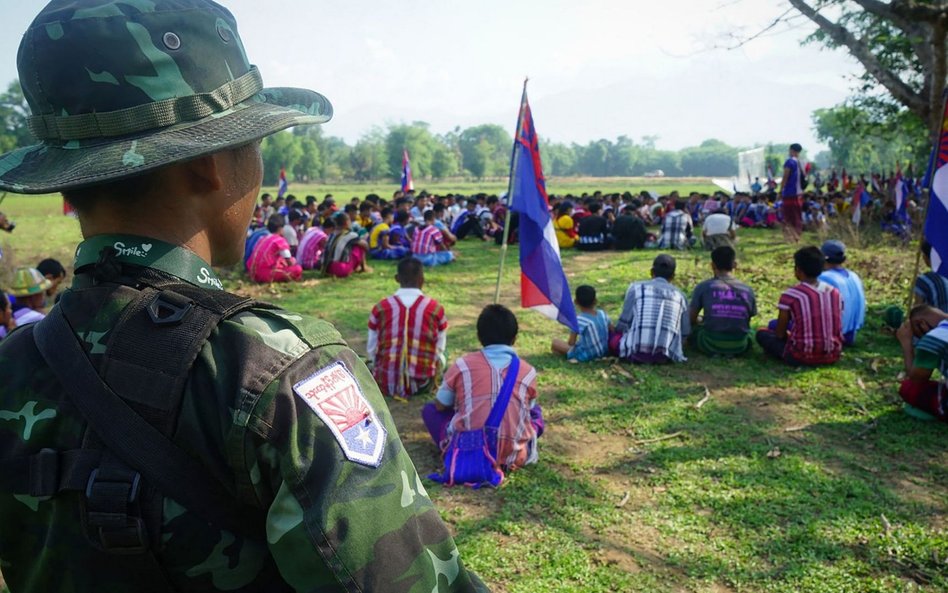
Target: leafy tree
{"points": [[279, 150], [421, 146], [901, 44], [485, 150], [369, 158], [445, 162], [711, 158], [861, 139], [14, 111], [310, 165]]}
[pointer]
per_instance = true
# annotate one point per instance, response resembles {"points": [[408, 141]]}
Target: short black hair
{"points": [[585, 296], [411, 270], [723, 257], [295, 216], [275, 223], [428, 215], [809, 260], [51, 267], [386, 212], [402, 217], [497, 325]]}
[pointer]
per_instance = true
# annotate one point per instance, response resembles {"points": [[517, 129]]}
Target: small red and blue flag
{"points": [[407, 183], [861, 198], [543, 285]]}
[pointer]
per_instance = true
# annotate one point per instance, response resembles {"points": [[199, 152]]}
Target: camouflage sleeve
{"points": [[348, 510]]}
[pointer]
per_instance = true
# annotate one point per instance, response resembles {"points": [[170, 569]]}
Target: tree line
{"points": [[860, 139]]}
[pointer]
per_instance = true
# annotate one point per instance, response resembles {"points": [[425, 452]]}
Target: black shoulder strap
{"points": [[132, 439]]}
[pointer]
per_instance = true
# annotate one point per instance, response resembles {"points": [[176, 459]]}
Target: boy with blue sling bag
{"points": [[485, 417]]}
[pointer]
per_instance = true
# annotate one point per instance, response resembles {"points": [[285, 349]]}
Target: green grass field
{"points": [[783, 481]]}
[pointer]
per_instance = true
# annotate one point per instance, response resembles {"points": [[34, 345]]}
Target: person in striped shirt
{"points": [[931, 288], [923, 397], [809, 328], [428, 245], [592, 340], [407, 335], [472, 384]]}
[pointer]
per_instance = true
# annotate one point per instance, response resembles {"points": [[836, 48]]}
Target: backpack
{"points": [[471, 455], [129, 463]]}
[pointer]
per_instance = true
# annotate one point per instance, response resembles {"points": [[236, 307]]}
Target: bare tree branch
{"points": [[742, 42], [860, 50]]}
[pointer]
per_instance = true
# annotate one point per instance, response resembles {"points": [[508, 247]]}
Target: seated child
{"points": [[7, 322], [918, 390], [53, 271], [728, 307], [808, 330], [931, 288], [345, 252], [592, 340], [850, 289], [427, 245], [472, 383], [271, 260], [29, 289], [654, 318], [407, 335], [380, 246], [311, 246]]}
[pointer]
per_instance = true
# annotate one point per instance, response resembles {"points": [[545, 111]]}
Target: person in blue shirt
{"points": [[592, 340], [849, 286]]}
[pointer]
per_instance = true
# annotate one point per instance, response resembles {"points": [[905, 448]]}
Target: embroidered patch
{"points": [[334, 394]]}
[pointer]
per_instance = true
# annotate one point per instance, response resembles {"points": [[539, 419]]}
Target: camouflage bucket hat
{"points": [[28, 281], [120, 87]]}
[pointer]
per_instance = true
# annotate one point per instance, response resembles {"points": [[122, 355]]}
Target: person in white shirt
{"points": [[717, 230]]}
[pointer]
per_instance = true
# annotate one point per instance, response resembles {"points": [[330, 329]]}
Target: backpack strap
{"points": [[134, 441], [499, 409]]}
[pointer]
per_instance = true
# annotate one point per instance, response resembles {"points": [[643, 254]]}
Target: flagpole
{"points": [[510, 184], [931, 181]]}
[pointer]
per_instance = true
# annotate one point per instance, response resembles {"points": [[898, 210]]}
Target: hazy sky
{"points": [[598, 68]]}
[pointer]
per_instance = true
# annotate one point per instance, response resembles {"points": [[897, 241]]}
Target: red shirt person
{"points": [[809, 328]]}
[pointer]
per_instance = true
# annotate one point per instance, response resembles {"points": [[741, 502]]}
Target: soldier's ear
{"points": [[206, 174]]}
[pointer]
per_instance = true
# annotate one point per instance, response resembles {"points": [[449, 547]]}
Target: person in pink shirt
{"points": [[271, 260], [311, 245]]}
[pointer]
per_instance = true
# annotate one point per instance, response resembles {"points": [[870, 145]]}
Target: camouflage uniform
{"points": [[332, 524], [118, 88]]}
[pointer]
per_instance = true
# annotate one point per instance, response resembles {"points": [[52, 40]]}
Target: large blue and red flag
{"points": [[283, 185], [543, 285], [937, 219], [407, 183]]}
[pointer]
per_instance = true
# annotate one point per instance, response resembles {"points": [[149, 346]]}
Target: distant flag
{"points": [[937, 220], [860, 199], [543, 284], [283, 185], [407, 183], [901, 195]]}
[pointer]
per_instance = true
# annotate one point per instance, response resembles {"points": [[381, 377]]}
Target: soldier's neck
{"points": [[181, 233]]}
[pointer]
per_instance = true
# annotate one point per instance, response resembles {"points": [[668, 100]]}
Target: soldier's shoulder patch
{"points": [[336, 397]]}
